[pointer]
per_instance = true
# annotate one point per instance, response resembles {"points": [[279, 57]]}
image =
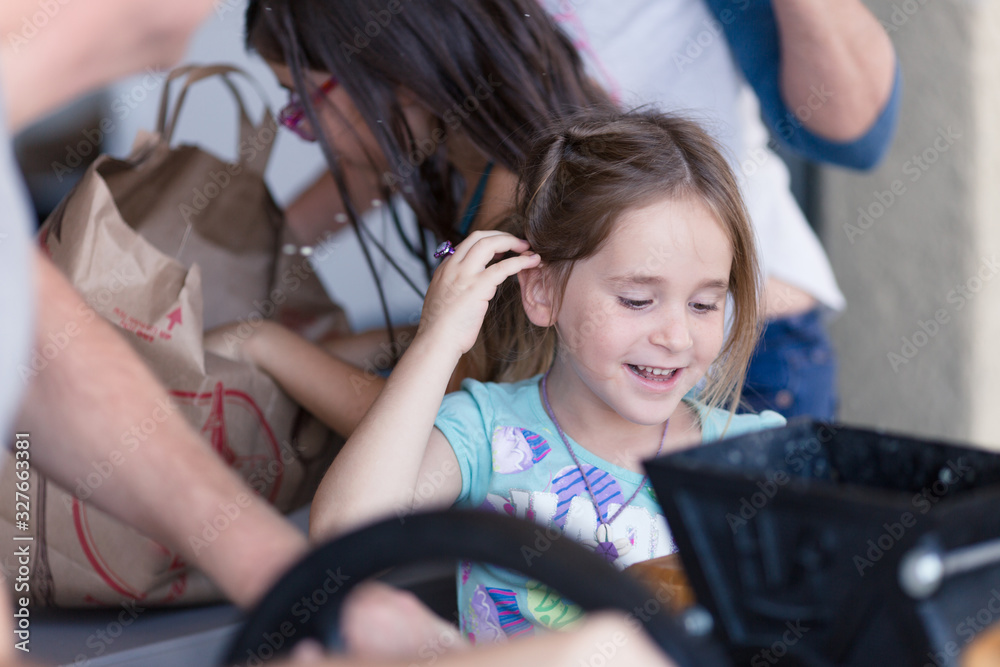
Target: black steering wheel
{"points": [[282, 618]]}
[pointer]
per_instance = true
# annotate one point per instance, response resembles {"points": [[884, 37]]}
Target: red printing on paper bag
{"points": [[148, 332], [215, 431]]}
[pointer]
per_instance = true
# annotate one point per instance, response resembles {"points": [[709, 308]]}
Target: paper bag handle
{"points": [[262, 135]]}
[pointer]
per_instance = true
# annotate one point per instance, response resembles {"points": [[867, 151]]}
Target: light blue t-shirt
{"points": [[513, 461]]}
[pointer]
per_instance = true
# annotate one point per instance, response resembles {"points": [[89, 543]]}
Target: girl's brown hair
{"points": [[575, 185]]}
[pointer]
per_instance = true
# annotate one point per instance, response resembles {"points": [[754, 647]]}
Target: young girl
{"points": [[635, 236]]}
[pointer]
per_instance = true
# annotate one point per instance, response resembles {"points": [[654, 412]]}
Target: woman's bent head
{"points": [[420, 73]]}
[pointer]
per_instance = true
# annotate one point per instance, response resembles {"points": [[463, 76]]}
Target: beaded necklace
{"points": [[606, 547]]}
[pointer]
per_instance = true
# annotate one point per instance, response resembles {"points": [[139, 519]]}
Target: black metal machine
{"points": [[817, 544]]}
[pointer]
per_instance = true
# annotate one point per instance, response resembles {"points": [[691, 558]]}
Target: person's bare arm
{"points": [[83, 46], [837, 61], [318, 211], [370, 349], [94, 392], [334, 391]]}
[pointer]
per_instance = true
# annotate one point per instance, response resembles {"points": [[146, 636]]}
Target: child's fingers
{"points": [[462, 249], [499, 272], [480, 248]]}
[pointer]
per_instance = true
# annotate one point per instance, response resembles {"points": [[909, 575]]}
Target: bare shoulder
{"points": [[498, 198]]}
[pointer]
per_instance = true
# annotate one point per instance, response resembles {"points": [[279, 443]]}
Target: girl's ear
{"points": [[537, 297]]}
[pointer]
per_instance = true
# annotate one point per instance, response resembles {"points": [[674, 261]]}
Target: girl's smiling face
{"points": [[642, 320]]}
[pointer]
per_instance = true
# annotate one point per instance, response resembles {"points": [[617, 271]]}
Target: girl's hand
{"points": [[463, 285], [236, 340]]}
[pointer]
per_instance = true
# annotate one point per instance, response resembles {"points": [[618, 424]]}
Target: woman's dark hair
{"points": [[499, 71], [575, 186]]}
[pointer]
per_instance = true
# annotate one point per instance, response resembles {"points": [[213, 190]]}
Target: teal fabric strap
{"points": [[475, 202]]}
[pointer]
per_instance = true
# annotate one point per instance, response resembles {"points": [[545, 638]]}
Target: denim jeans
{"points": [[794, 369]]}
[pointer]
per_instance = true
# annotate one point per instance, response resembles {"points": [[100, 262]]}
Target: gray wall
{"points": [[916, 352]]}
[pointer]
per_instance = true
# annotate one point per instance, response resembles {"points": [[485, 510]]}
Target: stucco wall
{"points": [[985, 370], [919, 340]]}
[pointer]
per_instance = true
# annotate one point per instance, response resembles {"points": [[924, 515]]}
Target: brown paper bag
{"points": [[165, 244]]}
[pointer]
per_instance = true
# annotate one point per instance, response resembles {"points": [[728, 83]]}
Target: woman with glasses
{"points": [[433, 101]]}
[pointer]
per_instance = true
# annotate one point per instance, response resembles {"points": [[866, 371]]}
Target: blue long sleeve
{"points": [[752, 32]]}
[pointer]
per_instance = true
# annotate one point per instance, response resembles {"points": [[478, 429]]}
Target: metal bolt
{"points": [[921, 572], [697, 621]]}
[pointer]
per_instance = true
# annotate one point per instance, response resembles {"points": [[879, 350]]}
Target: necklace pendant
{"points": [[607, 546], [608, 551]]}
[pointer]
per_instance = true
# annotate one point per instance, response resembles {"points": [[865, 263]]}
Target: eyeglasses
{"points": [[293, 116]]}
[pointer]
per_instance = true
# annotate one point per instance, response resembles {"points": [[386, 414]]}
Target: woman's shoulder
{"points": [[716, 423]]}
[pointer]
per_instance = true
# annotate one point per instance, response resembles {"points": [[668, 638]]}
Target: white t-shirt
{"points": [[673, 53], [16, 283]]}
